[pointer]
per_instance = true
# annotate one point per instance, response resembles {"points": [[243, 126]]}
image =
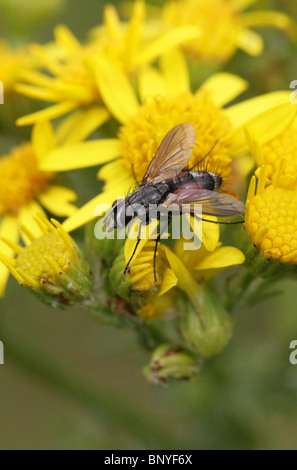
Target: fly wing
{"points": [[213, 203], [173, 154]]}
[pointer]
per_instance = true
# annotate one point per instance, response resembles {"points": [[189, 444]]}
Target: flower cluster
{"points": [[113, 99]]}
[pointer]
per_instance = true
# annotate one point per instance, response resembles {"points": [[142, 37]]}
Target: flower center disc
{"points": [[276, 209], [142, 135], [20, 179], [37, 259]]}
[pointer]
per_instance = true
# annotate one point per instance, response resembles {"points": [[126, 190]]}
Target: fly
{"points": [[169, 183]]}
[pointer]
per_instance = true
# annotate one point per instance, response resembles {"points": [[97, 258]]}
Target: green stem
{"points": [[103, 403], [238, 292]]}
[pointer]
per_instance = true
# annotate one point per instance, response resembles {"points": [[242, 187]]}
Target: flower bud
{"points": [[169, 361], [120, 282], [104, 250], [52, 267], [206, 330]]}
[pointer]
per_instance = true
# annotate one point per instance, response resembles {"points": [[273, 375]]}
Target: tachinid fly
{"points": [[169, 183]]}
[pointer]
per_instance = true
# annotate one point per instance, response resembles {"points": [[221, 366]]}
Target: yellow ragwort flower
{"points": [[166, 101], [25, 188], [204, 324], [71, 73], [224, 26], [185, 269], [271, 215], [52, 266]]}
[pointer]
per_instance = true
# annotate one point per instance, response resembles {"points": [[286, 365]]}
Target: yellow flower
{"points": [[223, 26], [71, 73], [193, 268], [181, 268], [141, 268], [272, 136], [271, 215], [166, 101], [25, 188], [204, 324], [52, 266]]}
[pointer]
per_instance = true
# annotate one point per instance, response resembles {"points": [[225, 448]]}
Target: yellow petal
{"points": [[36, 78], [81, 155], [189, 257], [47, 114], [115, 89], [240, 113], [185, 280], [9, 228], [168, 282], [26, 218], [115, 173], [224, 87], [175, 69], [79, 125], [112, 22], [134, 30], [244, 165], [43, 139], [210, 233], [150, 83], [274, 19], [115, 169], [57, 199], [86, 213], [221, 258], [268, 125], [250, 42], [37, 93], [66, 39], [164, 43]]}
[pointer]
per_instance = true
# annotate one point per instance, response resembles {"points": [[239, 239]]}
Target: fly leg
{"points": [[135, 248], [216, 222], [156, 244], [155, 255]]}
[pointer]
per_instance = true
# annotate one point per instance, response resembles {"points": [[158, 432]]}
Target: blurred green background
{"points": [[69, 383]]}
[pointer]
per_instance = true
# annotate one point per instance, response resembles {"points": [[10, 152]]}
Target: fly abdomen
{"points": [[207, 180], [203, 179]]}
